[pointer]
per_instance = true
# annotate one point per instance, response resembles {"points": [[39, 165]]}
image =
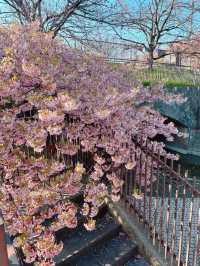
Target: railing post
{"points": [[3, 248]]}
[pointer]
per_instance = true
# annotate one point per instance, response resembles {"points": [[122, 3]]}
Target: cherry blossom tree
{"points": [[67, 127]]}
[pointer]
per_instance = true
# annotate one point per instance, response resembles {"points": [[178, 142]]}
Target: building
{"points": [[185, 53]]}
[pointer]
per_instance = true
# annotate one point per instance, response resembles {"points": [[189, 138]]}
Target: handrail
{"points": [[170, 169]]}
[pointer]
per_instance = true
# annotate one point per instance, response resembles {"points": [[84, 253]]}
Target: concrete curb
{"points": [[131, 226]]}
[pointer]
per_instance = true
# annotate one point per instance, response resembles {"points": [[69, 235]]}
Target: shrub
{"points": [[67, 123], [170, 84], [146, 83]]}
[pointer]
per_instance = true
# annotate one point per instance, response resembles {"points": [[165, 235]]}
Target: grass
{"points": [[171, 84], [170, 76]]}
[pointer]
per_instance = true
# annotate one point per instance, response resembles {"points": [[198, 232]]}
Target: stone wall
{"points": [[187, 116], [187, 113]]}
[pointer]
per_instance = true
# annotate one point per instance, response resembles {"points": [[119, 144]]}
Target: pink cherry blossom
{"points": [[68, 122], [90, 225]]}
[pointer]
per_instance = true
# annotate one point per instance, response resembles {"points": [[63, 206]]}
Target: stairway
{"points": [[107, 245]]}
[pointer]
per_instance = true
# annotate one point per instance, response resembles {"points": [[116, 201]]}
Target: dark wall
{"points": [[187, 113]]}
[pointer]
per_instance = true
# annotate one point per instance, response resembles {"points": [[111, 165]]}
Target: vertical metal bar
{"points": [[168, 210], [79, 150], [126, 185], [61, 154], [189, 238], [162, 208], [134, 185], [180, 245], [157, 196], [131, 176], [150, 194], [145, 185], [197, 244], [140, 175], [175, 217], [121, 173], [3, 247], [57, 151]]}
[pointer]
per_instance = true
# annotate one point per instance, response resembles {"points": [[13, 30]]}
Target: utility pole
{"points": [[3, 247]]}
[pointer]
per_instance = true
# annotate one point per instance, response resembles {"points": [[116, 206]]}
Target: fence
{"points": [[161, 72], [167, 69], [167, 202], [184, 75]]}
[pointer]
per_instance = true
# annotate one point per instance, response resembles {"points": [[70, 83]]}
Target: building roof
{"points": [[190, 46]]}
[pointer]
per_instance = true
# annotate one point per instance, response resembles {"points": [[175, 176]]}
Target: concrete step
{"points": [[107, 245], [78, 242], [114, 252]]}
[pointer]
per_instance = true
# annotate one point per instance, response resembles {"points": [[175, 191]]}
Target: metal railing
{"points": [[164, 198], [163, 73], [127, 54], [167, 202]]}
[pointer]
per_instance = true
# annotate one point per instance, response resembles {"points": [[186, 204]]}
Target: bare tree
{"points": [[68, 18], [152, 24], [194, 19]]}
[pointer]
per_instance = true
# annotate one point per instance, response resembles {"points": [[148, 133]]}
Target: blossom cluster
{"points": [[67, 127]]}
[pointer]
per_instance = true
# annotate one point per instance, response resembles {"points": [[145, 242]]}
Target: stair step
{"points": [[114, 252], [79, 241], [137, 262]]}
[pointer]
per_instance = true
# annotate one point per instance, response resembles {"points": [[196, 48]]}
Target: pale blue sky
{"points": [[130, 3]]}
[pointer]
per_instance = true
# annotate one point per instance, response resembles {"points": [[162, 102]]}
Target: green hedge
{"points": [[171, 84]]}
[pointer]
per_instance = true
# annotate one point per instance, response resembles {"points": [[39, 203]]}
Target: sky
{"points": [[131, 34]]}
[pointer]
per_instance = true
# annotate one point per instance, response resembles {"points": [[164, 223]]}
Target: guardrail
{"points": [[167, 202]]}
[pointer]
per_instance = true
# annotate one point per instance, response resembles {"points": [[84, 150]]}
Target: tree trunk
{"points": [[150, 59]]}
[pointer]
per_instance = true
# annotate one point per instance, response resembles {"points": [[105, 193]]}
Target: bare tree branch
{"points": [[153, 23], [61, 15]]}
